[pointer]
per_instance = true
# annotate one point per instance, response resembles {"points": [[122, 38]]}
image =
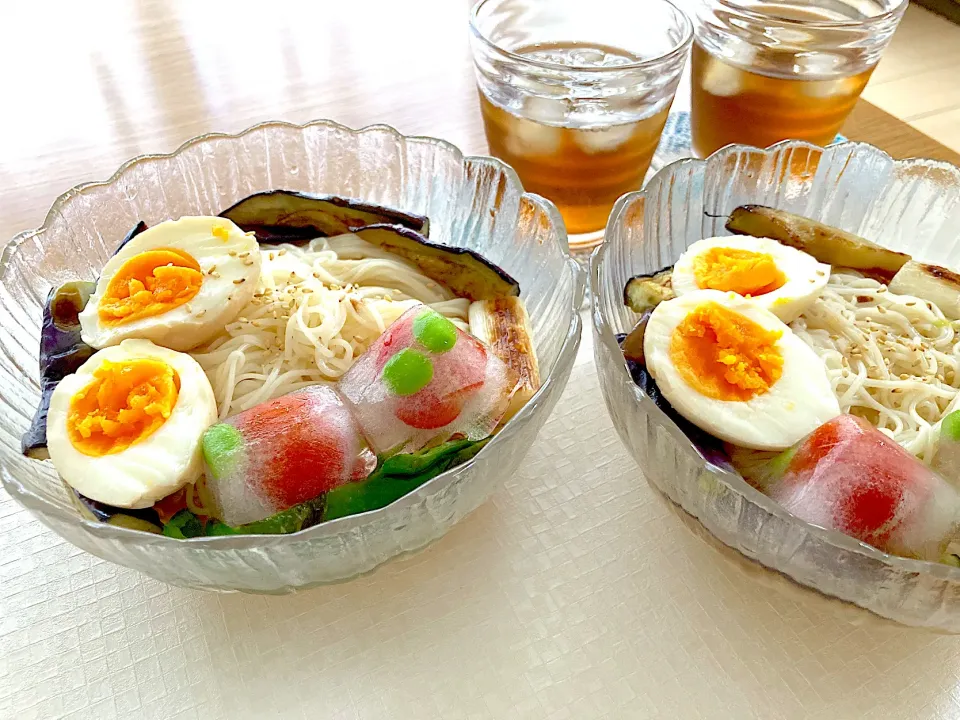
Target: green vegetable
{"points": [[407, 372], [950, 427], [435, 332], [183, 525], [222, 449], [396, 476], [283, 523]]}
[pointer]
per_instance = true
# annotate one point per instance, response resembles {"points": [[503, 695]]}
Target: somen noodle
{"points": [[316, 309], [892, 359]]}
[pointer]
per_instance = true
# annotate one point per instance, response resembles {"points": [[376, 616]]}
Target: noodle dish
{"points": [[296, 359], [822, 367]]}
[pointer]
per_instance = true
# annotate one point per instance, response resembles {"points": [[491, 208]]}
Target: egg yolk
{"points": [[149, 284], [744, 272], [126, 403], [724, 355]]}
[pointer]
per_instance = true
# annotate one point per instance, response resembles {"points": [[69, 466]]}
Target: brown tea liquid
{"points": [[581, 169], [735, 103]]}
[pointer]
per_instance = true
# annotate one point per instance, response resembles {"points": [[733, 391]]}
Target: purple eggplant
{"points": [[280, 216], [62, 351], [465, 272]]}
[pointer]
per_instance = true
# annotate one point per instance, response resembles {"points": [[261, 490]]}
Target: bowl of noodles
{"points": [[265, 274], [778, 342]]}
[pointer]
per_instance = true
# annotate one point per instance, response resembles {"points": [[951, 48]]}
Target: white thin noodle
{"points": [[892, 359], [317, 308]]}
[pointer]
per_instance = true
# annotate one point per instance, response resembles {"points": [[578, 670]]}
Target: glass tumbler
{"points": [[574, 95], [762, 72]]}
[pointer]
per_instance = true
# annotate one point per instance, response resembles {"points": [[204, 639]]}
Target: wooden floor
{"points": [[916, 80]]}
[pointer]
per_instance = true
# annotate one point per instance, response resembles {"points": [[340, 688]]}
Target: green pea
{"points": [[222, 449], [434, 331], [407, 372], [950, 427]]}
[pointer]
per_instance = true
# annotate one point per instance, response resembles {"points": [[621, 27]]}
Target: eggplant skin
{"points": [[93, 510], [466, 273], [61, 353], [280, 216], [709, 447], [137, 229]]}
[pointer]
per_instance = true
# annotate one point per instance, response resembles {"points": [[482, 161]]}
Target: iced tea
{"points": [[733, 104], [584, 168], [763, 72], [574, 95]]}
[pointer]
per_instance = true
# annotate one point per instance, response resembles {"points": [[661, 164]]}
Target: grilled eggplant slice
{"points": [[645, 292], [61, 353], [632, 345], [280, 216], [827, 244], [931, 283], [709, 447], [146, 520], [503, 325], [465, 272]]}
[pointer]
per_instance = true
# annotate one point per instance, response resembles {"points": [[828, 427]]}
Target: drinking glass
{"points": [[574, 95], [762, 72]]}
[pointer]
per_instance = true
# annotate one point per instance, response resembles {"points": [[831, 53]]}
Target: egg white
{"points": [[229, 282], [798, 403], [153, 468], [805, 276]]}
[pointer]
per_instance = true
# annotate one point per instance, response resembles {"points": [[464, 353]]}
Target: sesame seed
{"points": [[232, 253], [248, 262], [281, 253], [239, 281], [202, 313], [271, 256]]}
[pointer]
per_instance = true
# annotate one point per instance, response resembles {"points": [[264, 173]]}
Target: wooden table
{"points": [[576, 592]]}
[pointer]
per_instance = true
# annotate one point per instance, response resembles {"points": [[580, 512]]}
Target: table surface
{"points": [[576, 592]]}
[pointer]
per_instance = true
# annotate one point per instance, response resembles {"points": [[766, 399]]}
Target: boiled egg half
{"points": [[777, 277], [125, 429], [177, 283], [735, 370]]}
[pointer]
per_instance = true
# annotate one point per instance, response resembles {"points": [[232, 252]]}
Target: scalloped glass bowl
{"points": [[475, 202], [909, 205]]}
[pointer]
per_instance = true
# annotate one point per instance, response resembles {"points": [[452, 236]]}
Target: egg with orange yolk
{"points": [[735, 370], [777, 277], [125, 429], [177, 283]]}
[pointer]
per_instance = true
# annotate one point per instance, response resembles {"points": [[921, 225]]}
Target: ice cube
{"points": [[283, 452], [424, 381], [721, 79], [601, 140], [537, 132], [829, 88], [848, 476]]}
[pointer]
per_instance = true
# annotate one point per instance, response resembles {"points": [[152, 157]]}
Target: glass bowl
{"points": [[909, 205], [474, 202]]}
